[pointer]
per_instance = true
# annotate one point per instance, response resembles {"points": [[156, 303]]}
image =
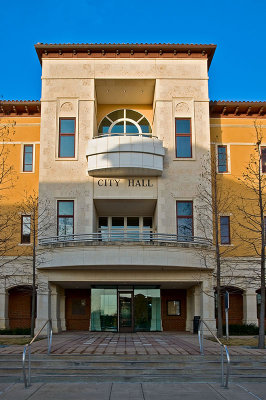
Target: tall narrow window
{"points": [[25, 228], [222, 159], [263, 159], [67, 127], [65, 217], [28, 158], [183, 138], [225, 230], [184, 217]]}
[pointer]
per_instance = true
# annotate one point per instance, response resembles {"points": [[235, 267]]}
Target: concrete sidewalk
{"points": [[132, 391]]}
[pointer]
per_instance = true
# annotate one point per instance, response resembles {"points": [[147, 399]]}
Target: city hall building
{"points": [[116, 148]]}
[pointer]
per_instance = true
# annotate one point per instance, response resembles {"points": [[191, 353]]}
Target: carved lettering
{"points": [[131, 182]]}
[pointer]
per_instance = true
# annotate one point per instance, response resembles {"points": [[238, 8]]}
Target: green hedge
{"points": [[16, 331], [238, 330]]}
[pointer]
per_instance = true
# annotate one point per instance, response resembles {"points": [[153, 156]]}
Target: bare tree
{"points": [[7, 180], [214, 200], [39, 223], [252, 206]]}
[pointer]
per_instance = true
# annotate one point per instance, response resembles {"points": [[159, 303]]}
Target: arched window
{"points": [[125, 122]]}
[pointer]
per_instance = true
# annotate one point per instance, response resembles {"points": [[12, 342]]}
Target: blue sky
{"points": [[238, 28]]}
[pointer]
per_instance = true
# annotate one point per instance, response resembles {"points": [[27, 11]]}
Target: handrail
{"points": [[27, 382], [224, 382], [126, 235]]}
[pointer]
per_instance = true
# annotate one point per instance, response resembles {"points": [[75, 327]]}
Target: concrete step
{"points": [[132, 369]]}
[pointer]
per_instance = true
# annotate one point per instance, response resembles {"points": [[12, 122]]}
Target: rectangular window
{"points": [[25, 228], [263, 159], [184, 219], [222, 159], [173, 307], [28, 158], [183, 138], [65, 217], [225, 230], [67, 127]]}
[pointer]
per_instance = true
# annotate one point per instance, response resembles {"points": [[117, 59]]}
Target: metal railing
{"points": [[126, 235], [224, 379], [148, 135], [27, 348]]}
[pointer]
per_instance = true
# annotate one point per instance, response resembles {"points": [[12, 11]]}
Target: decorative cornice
{"points": [[22, 108], [218, 109], [125, 50], [238, 109]]}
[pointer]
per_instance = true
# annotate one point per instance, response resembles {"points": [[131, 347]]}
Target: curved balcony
{"points": [[127, 236], [125, 155]]}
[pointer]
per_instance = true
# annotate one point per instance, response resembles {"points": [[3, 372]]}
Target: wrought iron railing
{"points": [[126, 235], [223, 347]]}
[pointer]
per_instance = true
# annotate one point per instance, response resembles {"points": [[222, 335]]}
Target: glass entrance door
{"points": [[125, 312]]}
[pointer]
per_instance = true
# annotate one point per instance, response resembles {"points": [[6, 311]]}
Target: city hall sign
{"points": [[111, 182]]}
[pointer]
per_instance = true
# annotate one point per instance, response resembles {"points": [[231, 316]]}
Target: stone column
{"points": [[250, 307], [208, 305], [193, 306], [43, 306], [55, 309], [4, 321], [63, 309]]}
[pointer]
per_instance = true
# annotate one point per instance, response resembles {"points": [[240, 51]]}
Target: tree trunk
{"points": [[33, 304], [261, 344]]}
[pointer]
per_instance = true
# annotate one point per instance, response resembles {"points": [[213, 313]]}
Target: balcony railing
{"points": [[126, 235], [147, 135]]}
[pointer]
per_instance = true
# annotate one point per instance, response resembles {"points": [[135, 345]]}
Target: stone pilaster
{"points": [[250, 307]]}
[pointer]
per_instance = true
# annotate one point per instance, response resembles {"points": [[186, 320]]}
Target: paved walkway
{"points": [[107, 343], [132, 391]]}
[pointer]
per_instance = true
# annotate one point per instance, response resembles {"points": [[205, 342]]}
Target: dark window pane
{"points": [[131, 128], [183, 146], [65, 226], [27, 168], [184, 227], [65, 207], [118, 128], [67, 125], [67, 146], [104, 126], [147, 221], [118, 222], [115, 115], [184, 208], [222, 159], [225, 230], [182, 125], [131, 114], [79, 306], [132, 222], [103, 222], [263, 159]]}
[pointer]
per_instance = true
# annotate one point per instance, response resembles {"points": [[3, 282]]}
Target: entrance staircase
{"points": [[126, 368]]}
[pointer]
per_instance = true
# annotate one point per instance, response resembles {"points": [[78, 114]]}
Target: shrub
{"points": [[245, 329], [15, 331]]}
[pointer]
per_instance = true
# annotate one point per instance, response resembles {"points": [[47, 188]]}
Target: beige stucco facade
{"points": [[124, 175]]}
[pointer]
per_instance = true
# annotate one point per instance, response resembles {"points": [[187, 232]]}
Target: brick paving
{"points": [[142, 343]]}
